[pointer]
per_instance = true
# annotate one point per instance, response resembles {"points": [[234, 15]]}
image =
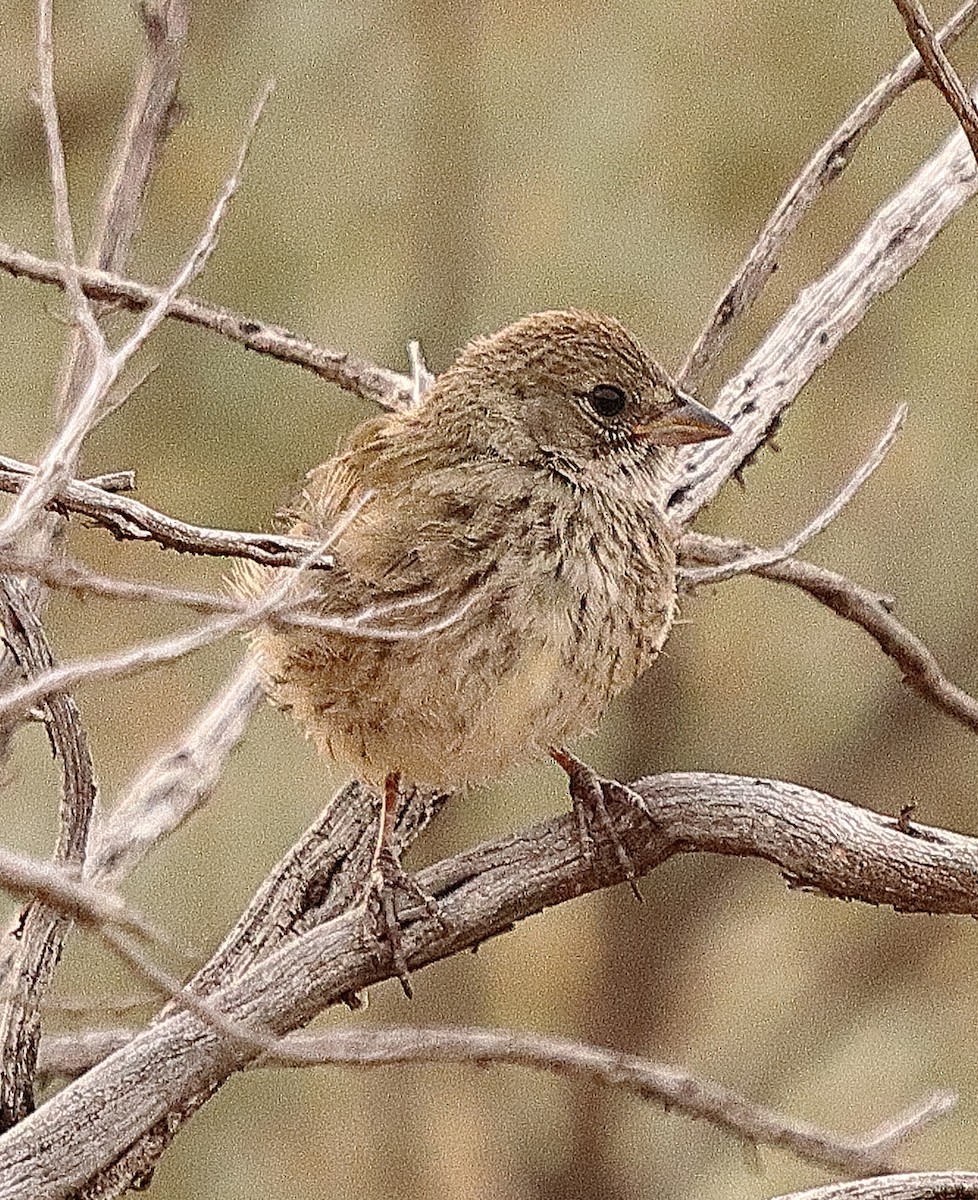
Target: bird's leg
{"points": [[590, 794], [387, 877]]}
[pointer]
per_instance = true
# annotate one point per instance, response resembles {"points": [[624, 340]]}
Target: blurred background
{"points": [[432, 170]]}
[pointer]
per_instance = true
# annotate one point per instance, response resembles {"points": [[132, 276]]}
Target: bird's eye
{"points": [[607, 399]]}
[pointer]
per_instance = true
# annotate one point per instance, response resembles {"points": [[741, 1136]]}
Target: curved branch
{"points": [[925, 1185], [30, 957], [69, 1056], [858, 604], [816, 841]]}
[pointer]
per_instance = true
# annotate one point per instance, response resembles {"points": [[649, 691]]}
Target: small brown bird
{"points": [[511, 569]]}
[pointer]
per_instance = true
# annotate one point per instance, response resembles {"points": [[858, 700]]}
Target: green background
{"points": [[432, 170]]}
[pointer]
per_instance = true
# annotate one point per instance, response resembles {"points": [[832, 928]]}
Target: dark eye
{"points": [[607, 399]]}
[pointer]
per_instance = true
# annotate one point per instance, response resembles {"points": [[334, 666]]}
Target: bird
{"points": [[503, 566]]}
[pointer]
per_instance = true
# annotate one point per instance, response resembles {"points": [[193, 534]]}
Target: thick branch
{"points": [[816, 841], [927, 1185]]}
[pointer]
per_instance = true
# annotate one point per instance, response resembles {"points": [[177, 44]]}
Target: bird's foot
{"points": [[387, 880], [590, 794]]}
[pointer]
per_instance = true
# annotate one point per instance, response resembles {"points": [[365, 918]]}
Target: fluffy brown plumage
{"points": [[513, 569]]}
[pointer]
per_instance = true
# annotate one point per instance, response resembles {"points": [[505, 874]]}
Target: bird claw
{"points": [[590, 794], [387, 878]]}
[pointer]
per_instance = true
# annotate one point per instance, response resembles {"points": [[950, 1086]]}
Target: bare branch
{"points": [[72, 897], [115, 923], [81, 310], [128, 519], [283, 977], [939, 68], [815, 840], [421, 377], [919, 667], [927, 1185], [71, 1055], [675, 1088], [151, 116], [60, 459], [346, 370], [206, 244], [74, 577], [30, 955], [113, 481], [68, 1055], [71, 576], [697, 576], [825, 165], [891, 242], [173, 787], [166, 650]]}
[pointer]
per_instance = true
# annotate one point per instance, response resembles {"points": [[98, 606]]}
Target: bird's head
{"points": [[572, 390]]}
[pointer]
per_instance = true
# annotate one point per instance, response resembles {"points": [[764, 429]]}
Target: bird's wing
{"points": [[414, 538]]}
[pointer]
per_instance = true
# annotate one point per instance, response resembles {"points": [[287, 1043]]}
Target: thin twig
{"points": [[247, 1037], [939, 68], [113, 481], [121, 928], [668, 1085], [128, 519], [59, 461], [341, 367], [153, 654], [286, 590], [60, 889], [71, 576], [81, 310], [74, 577], [148, 120], [168, 650], [825, 165], [421, 377], [206, 243], [918, 666], [97, 1007], [697, 576]]}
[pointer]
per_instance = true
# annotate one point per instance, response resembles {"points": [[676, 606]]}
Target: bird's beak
{"points": [[687, 421]]}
